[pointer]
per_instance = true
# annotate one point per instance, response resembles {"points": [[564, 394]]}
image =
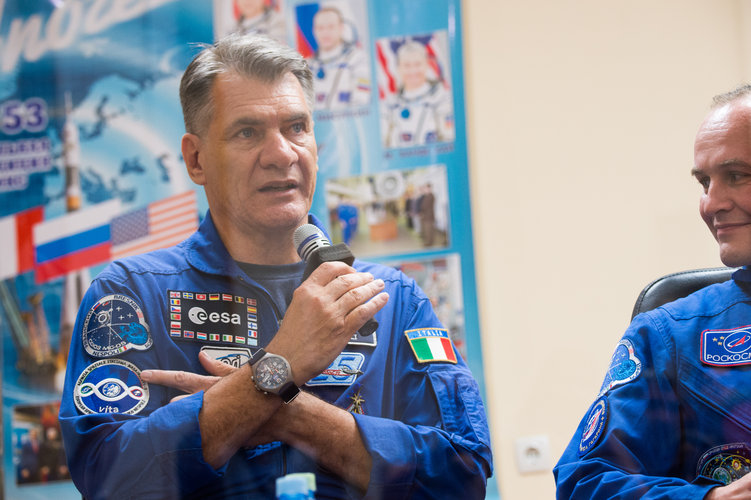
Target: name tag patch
{"points": [[343, 371], [726, 347], [624, 366], [213, 318], [113, 325], [595, 424], [725, 463], [431, 345], [111, 386], [233, 356]]}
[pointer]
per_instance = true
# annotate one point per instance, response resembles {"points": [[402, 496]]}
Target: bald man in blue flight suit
{"points": [[672, 419], [209, 369]]}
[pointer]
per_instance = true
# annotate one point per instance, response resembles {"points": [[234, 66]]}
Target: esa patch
{"points": [[233, 356], [343, 371], [624, 366], [726, 347], [111, 386], [115, 324], [214, 318], [431, 345], [594, 425], [725, 463]]}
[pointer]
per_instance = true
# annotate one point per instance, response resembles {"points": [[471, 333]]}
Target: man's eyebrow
{"points": [[732, 162]]}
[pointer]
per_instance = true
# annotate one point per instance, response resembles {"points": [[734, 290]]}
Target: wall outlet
{"points": [[533, 454]]}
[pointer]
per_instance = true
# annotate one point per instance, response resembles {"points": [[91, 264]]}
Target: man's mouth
{"points": [[278, 187]]}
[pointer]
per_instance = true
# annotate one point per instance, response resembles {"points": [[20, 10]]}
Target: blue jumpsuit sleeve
{"points": [[636, 451], [155, 453], [439, 447]]}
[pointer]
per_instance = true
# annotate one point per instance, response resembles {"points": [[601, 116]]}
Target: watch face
{"points": [[271, 373]]}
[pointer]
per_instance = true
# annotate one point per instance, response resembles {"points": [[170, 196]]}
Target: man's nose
{"points": [[278, 151], [716, 199]]}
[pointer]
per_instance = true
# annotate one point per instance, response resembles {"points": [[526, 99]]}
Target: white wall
{"points": [[581, 120]]}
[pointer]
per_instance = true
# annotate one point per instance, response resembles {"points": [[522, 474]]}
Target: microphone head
{"points": [[307, 239]]}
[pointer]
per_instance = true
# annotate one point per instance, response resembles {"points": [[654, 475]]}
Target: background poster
{"points": [[90, 127]]}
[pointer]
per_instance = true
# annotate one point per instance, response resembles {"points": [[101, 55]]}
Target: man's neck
{"points": [[258, 247]]}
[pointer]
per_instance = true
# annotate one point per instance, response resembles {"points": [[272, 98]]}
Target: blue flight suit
{"points": [[673, 416], [424, 424]]}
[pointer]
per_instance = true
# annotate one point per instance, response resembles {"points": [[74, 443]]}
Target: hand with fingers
{"points": [[326, 310]]}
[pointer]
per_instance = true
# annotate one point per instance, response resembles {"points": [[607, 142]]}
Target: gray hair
{"points": [[252, 56], [737, 93]]}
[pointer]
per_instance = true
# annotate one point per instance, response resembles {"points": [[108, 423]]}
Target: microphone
{"points": [[314, 248]]}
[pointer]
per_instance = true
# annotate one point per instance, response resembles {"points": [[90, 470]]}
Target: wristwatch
{"points": [[273, 375]]}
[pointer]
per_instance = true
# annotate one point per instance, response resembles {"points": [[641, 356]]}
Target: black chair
{"points": [[677, 285]]}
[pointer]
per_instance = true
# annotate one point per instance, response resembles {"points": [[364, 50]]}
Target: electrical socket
{"points": [[533, 454]]}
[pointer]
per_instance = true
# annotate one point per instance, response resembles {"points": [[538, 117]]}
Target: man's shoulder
{"points": [[163, 261], [709, 301]]}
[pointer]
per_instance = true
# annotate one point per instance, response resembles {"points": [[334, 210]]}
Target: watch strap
{"points": [[260, 353], [288, 392]]}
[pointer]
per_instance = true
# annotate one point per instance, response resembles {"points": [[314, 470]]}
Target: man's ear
{"points": [[190, 146]]}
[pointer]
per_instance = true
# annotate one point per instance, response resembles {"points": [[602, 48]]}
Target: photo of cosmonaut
{"points": [[333, 37], [392, 212], [441, 280], [414, 83], [37, 444], [250, 16]]}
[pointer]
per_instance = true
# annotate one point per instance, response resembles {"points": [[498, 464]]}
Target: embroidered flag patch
{"points": [[730, 347], [111, 386], [213, 317], [431, 345]]}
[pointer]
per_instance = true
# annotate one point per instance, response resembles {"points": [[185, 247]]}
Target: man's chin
{"points": [[735, 258]]}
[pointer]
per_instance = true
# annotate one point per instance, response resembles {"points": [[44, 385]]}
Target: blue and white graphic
{"points": [[596, 420], [233, 356], [111, 386], [726, 347], [114, 325], [624, 366], [343, 371]]}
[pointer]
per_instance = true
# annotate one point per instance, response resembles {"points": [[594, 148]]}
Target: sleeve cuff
{"points": [[394, 462], [177, 442]]}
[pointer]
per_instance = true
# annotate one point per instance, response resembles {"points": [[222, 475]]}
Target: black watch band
{"points": [[288, 392]]}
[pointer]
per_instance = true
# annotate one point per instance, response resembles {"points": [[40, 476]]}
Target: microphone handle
{"points": [[337, 253]]}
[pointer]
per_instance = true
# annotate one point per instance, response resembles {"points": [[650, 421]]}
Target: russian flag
{"points": [[17, 252], [73, 241]]}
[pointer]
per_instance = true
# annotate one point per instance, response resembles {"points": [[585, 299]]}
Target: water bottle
{"points": [[296, 486]]}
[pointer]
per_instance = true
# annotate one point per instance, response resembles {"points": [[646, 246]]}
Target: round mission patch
{"points": [[595, 424], [111, 386], [725, 463], [114, 325]]}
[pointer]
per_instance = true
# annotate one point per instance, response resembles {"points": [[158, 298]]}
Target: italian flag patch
{"points": [[431, 345]]}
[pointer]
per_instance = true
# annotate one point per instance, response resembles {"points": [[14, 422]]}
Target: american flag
{"points": [[158, 225]]}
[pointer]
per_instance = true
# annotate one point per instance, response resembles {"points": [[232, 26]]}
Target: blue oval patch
{"points": [[114, 325], [111, 386], [595, 424]]}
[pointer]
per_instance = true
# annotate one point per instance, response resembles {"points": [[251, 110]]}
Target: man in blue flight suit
{"points": [[395, 414], [673, 416]]}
